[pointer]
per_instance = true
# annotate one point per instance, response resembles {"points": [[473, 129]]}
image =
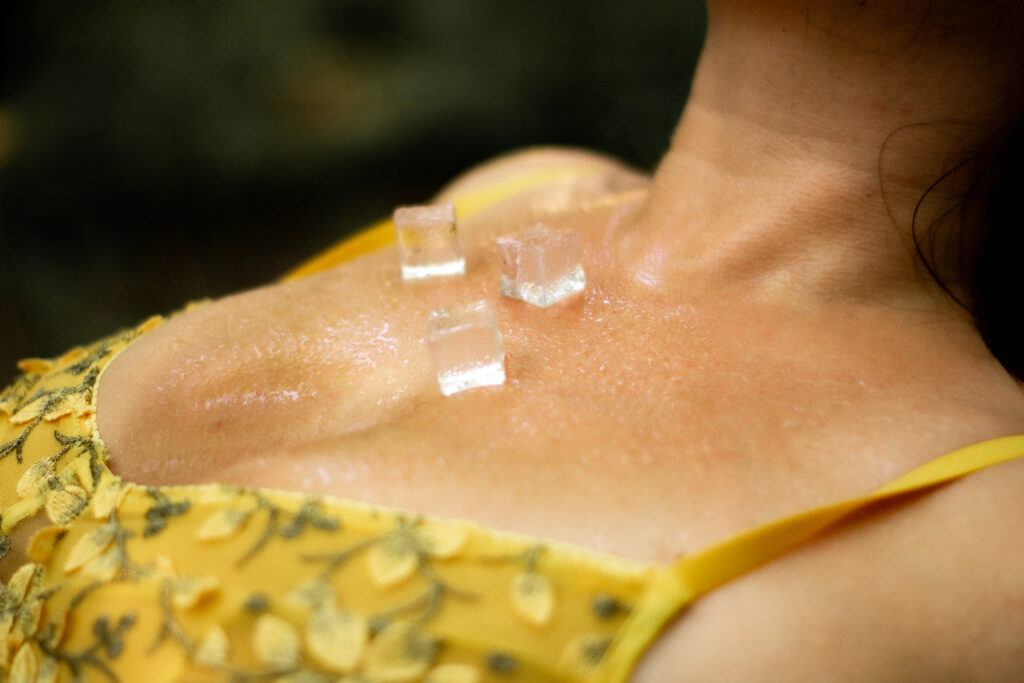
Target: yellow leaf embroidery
{"points": [[71, 403], [392, 560], [453, 673], [108, 498], [64, 504], [29, 616], [24, 666], [72, 355], [188, 591], [28, 619], [10, 396], [6, 623], [27, 413], [213, 647], [90, 546], [163, 567], [441, 540], [56, 623], [34, 477], [23, 605], [313, 594], [35, 366], [584, 653], [533, 597], [336, 638], [43, 543], [82, 467], [222, 524], [276, 642], [103, 567], [60, 410], [20, 582], [401, 653], [48, 671]]}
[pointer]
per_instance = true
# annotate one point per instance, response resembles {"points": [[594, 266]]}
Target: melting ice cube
{"points": [[428, 241], [541, 266], [466, 346]]}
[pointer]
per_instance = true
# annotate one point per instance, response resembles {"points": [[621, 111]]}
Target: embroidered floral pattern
{"points": [[212, 650], [21, 608], [336, 638], [533, 597], [584, 653], [265, 586], [396, 557]]}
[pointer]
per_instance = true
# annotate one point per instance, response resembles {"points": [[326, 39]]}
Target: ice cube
{"points": [[541, 266], [428, 241], [466, 346]]}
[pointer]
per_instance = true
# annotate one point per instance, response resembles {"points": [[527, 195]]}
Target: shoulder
{"points": [[929, 588], [342, 348], [535, 183], [554, 164]]}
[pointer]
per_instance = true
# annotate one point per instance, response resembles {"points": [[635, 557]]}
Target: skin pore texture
{"points": [[756, 338]]}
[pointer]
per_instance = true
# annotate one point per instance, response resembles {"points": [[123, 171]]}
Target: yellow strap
{"points": [[692, 576], [382, 233]]}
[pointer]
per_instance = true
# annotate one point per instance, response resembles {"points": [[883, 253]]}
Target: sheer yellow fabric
{"points": [[219, 583]]}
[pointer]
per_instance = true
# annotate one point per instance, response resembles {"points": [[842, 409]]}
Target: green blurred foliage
{"points": [[157, 152]]}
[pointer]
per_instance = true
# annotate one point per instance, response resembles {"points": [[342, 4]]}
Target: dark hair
{"points": [[989, 246]]}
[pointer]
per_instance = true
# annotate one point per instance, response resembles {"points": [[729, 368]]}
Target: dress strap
{"points": [[692, 576], [382, 233]]}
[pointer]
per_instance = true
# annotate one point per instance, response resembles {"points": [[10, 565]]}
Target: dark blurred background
{"points": [[161, 151]]}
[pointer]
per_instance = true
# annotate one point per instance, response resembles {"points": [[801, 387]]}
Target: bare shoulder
{"points": [[271, 361], [931, 588], [559, 163]]}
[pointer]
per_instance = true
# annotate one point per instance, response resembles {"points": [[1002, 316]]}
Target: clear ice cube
{"points": [[466, 346], [541, 266], [428, 241]]}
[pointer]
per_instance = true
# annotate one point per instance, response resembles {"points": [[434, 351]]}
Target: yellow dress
{"points": [[223, 583]]}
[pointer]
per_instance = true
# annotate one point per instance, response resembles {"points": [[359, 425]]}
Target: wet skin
{"points": [[636, 421]]}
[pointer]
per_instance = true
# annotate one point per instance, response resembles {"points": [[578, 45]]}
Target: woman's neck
{"points": [[810, 136]]}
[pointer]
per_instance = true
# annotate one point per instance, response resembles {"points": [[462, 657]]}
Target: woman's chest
{"points": [[642, 431]]}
